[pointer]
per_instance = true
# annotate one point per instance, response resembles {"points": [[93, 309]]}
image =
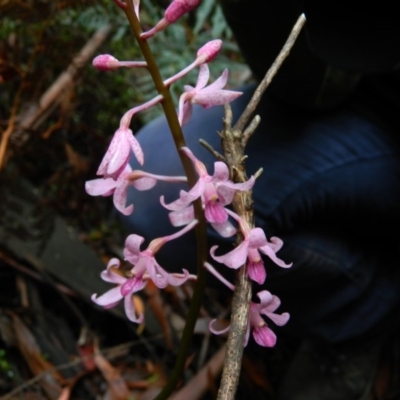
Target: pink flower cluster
{"points": [[145, 267], [215, 191]]}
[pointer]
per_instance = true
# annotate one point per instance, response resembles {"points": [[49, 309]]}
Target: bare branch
{"points": [[250, 130], [233, 144], [211, 149], [241, 123]]}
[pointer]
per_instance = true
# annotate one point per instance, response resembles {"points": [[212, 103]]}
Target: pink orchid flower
{"points": [[262, 334], [117, 156], [206, 96], [267, 306], [140, 180], [253, 243], [145, 263], [124, 290], [216, 191]]}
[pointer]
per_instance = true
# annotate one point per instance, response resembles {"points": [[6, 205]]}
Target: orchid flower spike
{"points": [[267, 306], [216, 191], [206, 96], [106, 62], [253, 243], [145, 263], [124, 290], [176, 10], [140, 180]]}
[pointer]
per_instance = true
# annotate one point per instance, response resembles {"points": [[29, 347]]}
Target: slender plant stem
{"points": [[234, 140], [176, 131], [248, 112]]}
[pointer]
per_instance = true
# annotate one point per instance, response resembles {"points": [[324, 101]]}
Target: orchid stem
{"points": [[176, 131]]}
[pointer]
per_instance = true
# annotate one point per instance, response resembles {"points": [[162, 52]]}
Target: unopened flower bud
{"points": [[209, 51], [178, 8], [105, 62], [174, 11]]}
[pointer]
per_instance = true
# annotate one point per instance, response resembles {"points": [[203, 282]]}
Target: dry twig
{"points": [[234, 140]]}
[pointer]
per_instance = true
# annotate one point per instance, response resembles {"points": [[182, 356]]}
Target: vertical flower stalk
{"points": [[201, 235]]}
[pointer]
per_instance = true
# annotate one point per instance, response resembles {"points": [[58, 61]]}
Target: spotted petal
{"points": [[203, 77], [216, 98], [100, 187]]}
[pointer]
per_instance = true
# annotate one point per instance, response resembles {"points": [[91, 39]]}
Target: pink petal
{"points": [[266, 299], [135, 146], [131, 312], [226, 229], [216, 331], [268, 302], [198, 165], [256, 271], [100, 187], [216, 98], [221, 172], [234, 259], [185, 108], [215, 212], [144, 183], [267, 250], [182, 217], [112, 297], [203, 77], [102, 170], [178, 279], [157, 274], [257, 238], [109, 275], [119, 198], [275, 243], [264, 336], [117, 155], [132, 285], [226, 190], [218, 84], [186, 198], [278, 319], [132, 248], [136, 5]]}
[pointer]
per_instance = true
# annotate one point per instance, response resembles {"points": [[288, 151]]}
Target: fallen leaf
{"points": [[118, 390], [33, 356]]}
